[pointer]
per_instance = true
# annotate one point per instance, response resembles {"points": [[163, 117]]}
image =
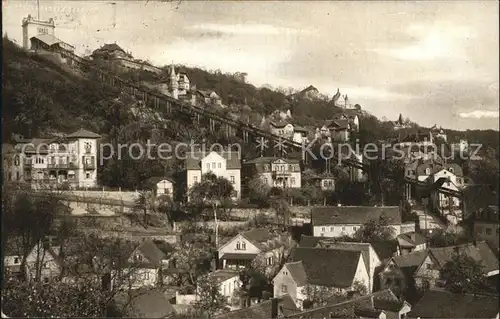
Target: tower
{"points": [[32, 27], [174, 84]]}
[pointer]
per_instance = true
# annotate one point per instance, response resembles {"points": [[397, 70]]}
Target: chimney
{"points": [[274, 308]]}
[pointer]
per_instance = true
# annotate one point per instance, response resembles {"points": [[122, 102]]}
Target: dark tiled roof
{"points": [[443, 304], [82, 133], [383, 300], [340, 124], [258, 235], [193, 159], [309, 241], [297, 272], [154, 254], [147, 303], [413, 259], [364, 248], [480, 252], [413, 238], [385, 249], [353, 215], [263, 310], [110, 47], [327, 267]]}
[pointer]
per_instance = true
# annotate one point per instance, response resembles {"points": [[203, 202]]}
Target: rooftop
{"points": [[443, 304], [193, 159]]}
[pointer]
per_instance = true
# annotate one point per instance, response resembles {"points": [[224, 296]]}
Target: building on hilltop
{"points": [[54, 162], [400, 124], [119, 59], [438, 133], [341, 101], [225, 164], [340, 127], [275, 172], [40, 35]]}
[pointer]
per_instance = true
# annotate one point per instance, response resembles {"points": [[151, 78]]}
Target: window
{"points": [[284, 288], [219, 165], [428, 266], [146, 275], [354, 228], [343, 228], [17, 161], [292, 181], [16, 260], [266, 168], [269, 261], [45, 280], [322, 229], [451, 170], [488, 231], [265, 180], [208, 165], [17, 175], [331, 228], [243, 246], [213, 165], [195, 179], [427, 171], [232, 179], [87, 175], [285, 272]]}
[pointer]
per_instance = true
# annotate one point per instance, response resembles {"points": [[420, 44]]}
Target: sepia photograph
{"points": [[217, 159]]}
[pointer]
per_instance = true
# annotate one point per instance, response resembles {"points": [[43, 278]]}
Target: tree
{"points": [[462, 274], [212, 190], [193, 259], [374, 230], [209, 298], [447, 238], [280, 205], [258, 192]]}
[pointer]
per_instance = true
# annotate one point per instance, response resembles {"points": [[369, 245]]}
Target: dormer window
{"points": [[451, 169]]}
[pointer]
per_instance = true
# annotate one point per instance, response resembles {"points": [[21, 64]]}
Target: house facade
{"points": [[45, 163], [410, 242], [312, 268], [336, 221], [224, 164], [161, 185], [44, 260], [256, 246], [145, 264], [275, 172], [228, 282], [485, 226]]}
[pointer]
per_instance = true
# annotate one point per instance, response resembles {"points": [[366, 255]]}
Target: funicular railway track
{"points": [[164, 103]]}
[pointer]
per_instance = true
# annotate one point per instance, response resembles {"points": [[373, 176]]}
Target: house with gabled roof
{"points": [[409, 242], [274, 171], [421, 269], [335, 270], [45, 260], [225, 164], [443, 304], [370, 256], [147, 260], [336, 221], [256, 245], [161, 185], [381, 304]]}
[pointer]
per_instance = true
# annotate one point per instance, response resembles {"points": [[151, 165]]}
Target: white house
{"points": [[228, 281], [161, 185], [44, 259], [146, 261], [310, 268], [335, 221], [275, 172], [256, 245], [223, 164], [44, 163]]}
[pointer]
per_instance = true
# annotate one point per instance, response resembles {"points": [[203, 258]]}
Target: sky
{"points": [[435, 62]]}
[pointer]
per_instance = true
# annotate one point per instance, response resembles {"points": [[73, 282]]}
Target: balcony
{"points": [[281, 174], [62, 166]]}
